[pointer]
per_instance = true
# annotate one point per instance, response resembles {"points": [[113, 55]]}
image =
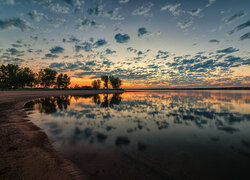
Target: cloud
{"points": [[130, 49], [99, 43], [74, 3], [18, 23], [15, 52], [71, 39], [210, 2], [7, 2], [56, 50], [143, 10], [194, 12], [109, 51], [214, 41], [57, 8], [87, 46], [36, 16], [185, 24], [239, 27], [143, 32], [172, 8], [124, 1], [49, 55], [228, 50], [99, 11], [122, 38], [235, 16], [57, 21], [245, 36], [162, 55], [85, 23], [56, 65]]}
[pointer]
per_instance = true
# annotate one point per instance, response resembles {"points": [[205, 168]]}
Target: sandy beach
{"points": [[26, 152]]}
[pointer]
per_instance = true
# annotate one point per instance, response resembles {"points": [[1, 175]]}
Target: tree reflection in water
{"points": [[50, 105]]}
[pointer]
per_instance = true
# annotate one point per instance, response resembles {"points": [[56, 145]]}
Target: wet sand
{"points": [[25, 150]]}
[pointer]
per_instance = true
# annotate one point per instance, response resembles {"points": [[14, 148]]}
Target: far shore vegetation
{"points": [[14, 77]]}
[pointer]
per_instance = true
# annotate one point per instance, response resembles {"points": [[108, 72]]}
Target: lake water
{"points": [[151, 135]]}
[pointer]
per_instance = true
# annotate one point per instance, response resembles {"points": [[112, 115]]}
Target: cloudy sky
{"points": [[147, 43]]}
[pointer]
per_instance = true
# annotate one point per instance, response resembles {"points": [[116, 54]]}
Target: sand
{"points": [[25, 150]]}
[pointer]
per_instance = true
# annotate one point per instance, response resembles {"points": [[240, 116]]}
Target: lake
{"points": [[152, 134]]}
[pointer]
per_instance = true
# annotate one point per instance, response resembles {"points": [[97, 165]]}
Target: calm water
{"points": [[151, 135]]}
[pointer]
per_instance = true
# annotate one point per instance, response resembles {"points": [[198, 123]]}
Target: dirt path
{"points": [[25, 151]]}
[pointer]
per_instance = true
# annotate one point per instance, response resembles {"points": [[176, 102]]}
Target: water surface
{"points": [[151, 135]]}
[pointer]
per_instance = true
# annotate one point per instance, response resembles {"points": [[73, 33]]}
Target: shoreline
{"points": [[26, 152]]}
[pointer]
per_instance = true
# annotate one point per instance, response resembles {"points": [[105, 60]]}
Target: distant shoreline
{"points": [[179, 89], [129, 89]]}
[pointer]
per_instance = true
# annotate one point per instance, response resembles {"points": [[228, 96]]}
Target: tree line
{"points": [[12, 77], [115, 82]]}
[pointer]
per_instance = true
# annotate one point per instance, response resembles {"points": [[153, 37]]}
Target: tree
{"points": [[96, 84], [62, 80], [105, 79], [66, 81], [25, 76], [59, 80], [47, 77], [8, 76], [115, 82]]}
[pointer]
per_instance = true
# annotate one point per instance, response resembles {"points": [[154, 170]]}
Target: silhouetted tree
{"points": [[105, 79], [62, 80], [25, 76], [96, 84], [115, 82], [8, 75], [47, 77]]}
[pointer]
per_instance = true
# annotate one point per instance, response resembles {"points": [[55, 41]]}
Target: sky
{"points": [[147, 43]]}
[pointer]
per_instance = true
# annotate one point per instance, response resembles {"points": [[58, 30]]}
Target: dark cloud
{"points": [[240, 27], [18, 23], [214, 41], [56, 65], [49, 55], [228, 50], [99, 43], [245, 36], [74, 3], [162, 54], [235, 16], [99, 11], [56, 50], [143, 32], [109, 51], [122, 38], [87, 46], [15, 52], [130, 49], [143, 10], [71, 39], [85, 23]]}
